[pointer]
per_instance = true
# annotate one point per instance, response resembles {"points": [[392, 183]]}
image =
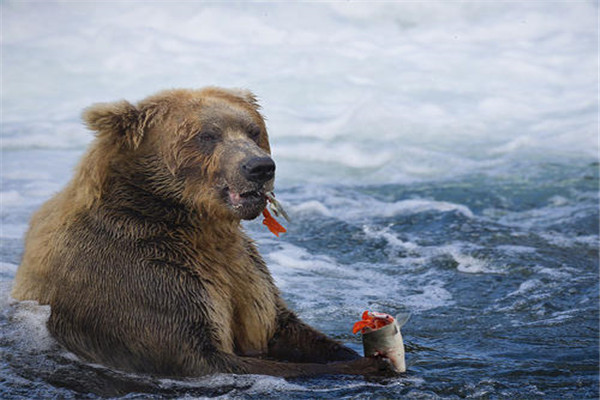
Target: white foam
{"points": [[391, 238], [350, 155], [46, 135], [558, 201], [25, 174], [430, 296], [13, 231], [311, 207], [10, 198], [560, 240], [31, 193], [368, 208], [414, 257], [540, 217], [349, 288], [526, 287], [8, 269], [257, 383], [416, 206], [28, 326], [471, 265], [564, 274], [410, 112], [516, 249], [556, 318], [267, 384], [293, 257]]}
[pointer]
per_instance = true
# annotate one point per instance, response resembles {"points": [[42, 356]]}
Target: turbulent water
{"points": [[437, 158]]}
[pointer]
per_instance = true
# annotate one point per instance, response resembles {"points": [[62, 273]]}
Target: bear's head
{"points": [[206, 148]]}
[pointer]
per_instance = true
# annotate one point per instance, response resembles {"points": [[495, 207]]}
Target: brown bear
{"points": [[142, 258]]}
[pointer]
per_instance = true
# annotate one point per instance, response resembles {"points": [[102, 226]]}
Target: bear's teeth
{"points": [[237, 199]]}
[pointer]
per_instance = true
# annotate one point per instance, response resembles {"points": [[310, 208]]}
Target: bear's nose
{"points": [[259, 169]]}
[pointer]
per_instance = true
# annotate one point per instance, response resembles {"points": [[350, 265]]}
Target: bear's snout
{"points": [[258, 169]]}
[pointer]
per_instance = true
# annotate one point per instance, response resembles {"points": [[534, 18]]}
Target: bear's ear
{"points": [[245, 95], [120, 121]]}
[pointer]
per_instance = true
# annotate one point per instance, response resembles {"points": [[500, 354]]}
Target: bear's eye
{"points": [[254, 132], [208, 136], [207, 140]]}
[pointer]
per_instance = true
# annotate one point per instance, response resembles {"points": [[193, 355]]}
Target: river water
{"points": [[439, 158]]}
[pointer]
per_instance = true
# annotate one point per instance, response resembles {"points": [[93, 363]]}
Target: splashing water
{"points": [[438, 158]]}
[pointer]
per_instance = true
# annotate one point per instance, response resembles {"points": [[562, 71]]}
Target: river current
{"points": [[437, 158]]}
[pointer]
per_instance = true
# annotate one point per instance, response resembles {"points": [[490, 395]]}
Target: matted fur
{"points": [[141, 256]]}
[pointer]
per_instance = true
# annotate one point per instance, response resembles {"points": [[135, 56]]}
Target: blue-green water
{"points": [[500, 274], [436, 157]]}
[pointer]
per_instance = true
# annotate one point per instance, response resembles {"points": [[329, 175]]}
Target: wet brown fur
{"points": [[144, 267]]}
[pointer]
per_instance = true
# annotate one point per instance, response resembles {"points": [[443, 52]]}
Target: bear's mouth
{"points": [[248, 204], [237, 199]]}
